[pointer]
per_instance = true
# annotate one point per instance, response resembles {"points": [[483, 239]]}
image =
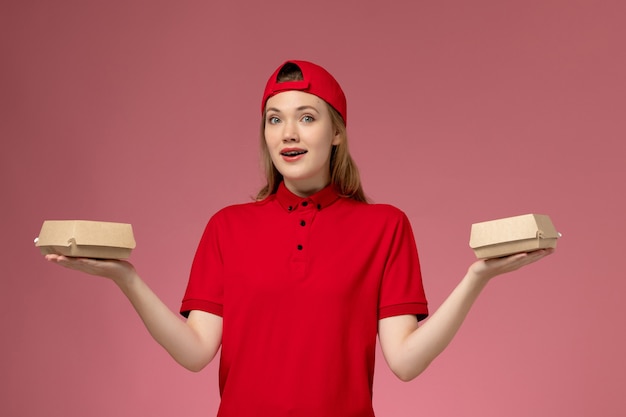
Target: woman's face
{"points": [[299, 135]]}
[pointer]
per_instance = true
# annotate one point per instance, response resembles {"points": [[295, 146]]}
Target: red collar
{"points": [[321, 199]]}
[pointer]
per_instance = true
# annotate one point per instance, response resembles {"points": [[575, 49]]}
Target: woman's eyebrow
{"points": [[307, 108], [301, 108]]}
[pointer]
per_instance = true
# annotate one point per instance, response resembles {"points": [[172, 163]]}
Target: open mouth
{"points": [[293, 153]]}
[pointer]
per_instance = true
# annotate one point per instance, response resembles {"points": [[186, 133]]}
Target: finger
{"points": [[529, 258], [81, 264], [515, 261], [539, 254], [523, 256], [68, 262]]}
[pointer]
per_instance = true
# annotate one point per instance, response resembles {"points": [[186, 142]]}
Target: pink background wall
{"points": [[147, 112]]}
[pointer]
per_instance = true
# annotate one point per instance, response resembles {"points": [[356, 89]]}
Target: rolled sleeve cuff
{"points": [[417, 309], [202, 305]]}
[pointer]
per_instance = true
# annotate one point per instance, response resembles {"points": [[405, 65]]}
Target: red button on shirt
{"points": [[301, 284]]}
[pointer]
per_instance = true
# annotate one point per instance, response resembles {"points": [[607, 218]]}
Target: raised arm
{"points": [[193, 343], [409, 348]]}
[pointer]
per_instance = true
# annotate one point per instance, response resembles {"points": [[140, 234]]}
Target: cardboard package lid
{"points": [[86, 233], [509, 229]]}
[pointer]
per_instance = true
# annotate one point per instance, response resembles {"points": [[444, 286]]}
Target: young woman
{"points": [[296, 286]]}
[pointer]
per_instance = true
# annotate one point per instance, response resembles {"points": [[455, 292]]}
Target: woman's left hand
{"points": [[489, 268]]}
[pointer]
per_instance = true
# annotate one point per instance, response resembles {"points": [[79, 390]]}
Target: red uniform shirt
{"points": [[301, 284]]}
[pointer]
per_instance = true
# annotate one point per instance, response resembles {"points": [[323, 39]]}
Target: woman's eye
{"points": [[308, 119], [273, 120]]}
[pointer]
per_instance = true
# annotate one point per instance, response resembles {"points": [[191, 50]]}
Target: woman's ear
{"points": [[337, 137]]}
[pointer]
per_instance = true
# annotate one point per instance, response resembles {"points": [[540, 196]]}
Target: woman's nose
{"points": [[290, 133]]}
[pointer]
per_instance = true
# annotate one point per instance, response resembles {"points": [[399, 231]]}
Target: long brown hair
{"points": [[344, 174]]}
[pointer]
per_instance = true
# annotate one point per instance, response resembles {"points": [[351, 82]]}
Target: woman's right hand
{"points": [[115, 270]]}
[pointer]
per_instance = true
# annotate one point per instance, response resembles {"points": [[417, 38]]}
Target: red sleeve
{"points": [[402, 291], [205, 288]]}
